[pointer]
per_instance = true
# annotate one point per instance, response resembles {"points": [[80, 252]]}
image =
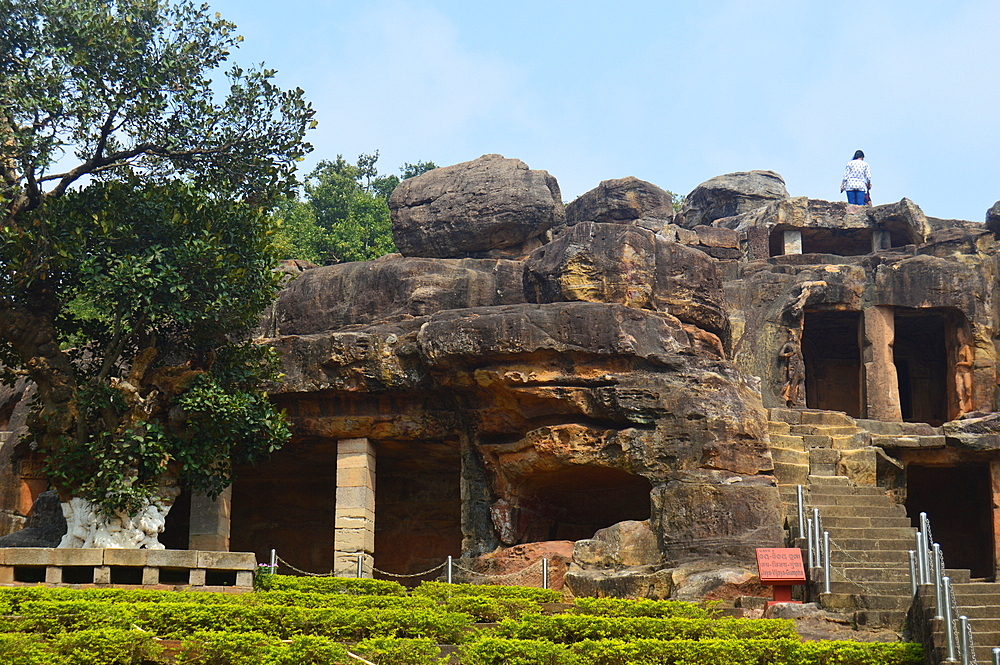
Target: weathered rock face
{"points": [[596, 408], [729, 195], [45, 527], [993, 219], [489, 204], [622, 200]]}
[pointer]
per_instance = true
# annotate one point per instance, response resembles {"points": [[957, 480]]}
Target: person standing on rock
{"points": [[857, 179]]}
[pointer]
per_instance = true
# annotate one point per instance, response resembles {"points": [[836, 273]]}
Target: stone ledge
{"points": [[141, 568]]}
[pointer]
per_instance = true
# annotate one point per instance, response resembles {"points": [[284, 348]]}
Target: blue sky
{"points": [[671, 92]]}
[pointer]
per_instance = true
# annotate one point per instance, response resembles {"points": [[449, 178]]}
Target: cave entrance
{"points": [[958, 501], [573, 503], [832, 354], [925, 353], [418, 506], [288, 503]]}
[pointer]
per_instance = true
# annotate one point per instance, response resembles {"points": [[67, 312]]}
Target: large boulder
{"points": [[491, 204], [626, 264], [391, 288], [729, 195], [621, 200], [46, 525], [993, 219]]}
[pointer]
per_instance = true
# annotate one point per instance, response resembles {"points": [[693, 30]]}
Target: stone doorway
{"points": [[920, 353], [288, 503], [418, 505], [574, 502], [832, 355], [958, 501], [177, 527]]}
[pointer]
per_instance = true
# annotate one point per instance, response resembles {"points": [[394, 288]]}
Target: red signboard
{"points": [[780, 565]]}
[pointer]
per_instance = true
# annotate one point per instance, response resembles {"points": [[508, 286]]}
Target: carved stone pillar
{"points": [[355, 515], [881, 385], [210, 522], [793, 242]]}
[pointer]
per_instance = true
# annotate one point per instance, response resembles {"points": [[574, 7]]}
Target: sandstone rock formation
{"points": [[993, 218], [729, 195], [623, 200], [491, 205], [45, 526]]}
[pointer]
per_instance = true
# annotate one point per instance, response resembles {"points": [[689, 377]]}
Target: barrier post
{"points": [[809, 541], [949, 629], [802, 509], [938, 591], [545, 573], [913, 573], [817, 538], [826, 562], [963, 639], [274, 562], [449, 569], [361, 566]]}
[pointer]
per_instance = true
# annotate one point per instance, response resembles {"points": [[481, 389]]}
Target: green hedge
{"points": [[389, 651], [444, 591], [84, 647], [620, 607], [179, 620], [569, 628], [500, 651], [351, 585]]}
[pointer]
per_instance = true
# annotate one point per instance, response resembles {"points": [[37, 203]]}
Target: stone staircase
{"points": [[831, 457], [979, 601]]}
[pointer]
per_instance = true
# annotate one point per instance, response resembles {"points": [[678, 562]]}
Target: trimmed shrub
{"points": [[687, 652], [496, 651], [390, 651], [220, 648], [104, 647], [568, 628], [312, 650], [444, 591], [350, 585], [860, 653], [482, 608], [20, 649], [620, 607]]}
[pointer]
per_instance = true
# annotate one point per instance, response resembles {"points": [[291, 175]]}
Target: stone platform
{"points": [[147, 568]]}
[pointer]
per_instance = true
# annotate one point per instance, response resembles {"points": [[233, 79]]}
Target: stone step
{"points": [[892, 588], [837, 418], [980, 611], [844, 602], [873, 574], [823, 430], [851, 441], [974, 588], [787, 441], [880, 618], [816, 481], [861, 490], [791, 474], [789, 456], [791, 416], [777, 427], [898, 557], [892, 510], [841, 522], [817, 500]]}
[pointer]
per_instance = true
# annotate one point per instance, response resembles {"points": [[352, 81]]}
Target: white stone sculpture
{"points": [[86, 527]]}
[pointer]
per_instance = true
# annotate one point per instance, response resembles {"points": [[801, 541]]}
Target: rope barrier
{"points": [[426, 572]]}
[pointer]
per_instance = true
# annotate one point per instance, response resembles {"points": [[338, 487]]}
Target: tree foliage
{"points": [[345, 216], [135, 242]]}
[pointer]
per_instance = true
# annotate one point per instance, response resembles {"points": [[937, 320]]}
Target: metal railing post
{"points": [[817, 538], [274, 561], [963, 639], [913, 573], [938, 592], [545, 573], [361, 566], [809, 540], [802, 508], [949, 629], [826, 562], [449, 569], [921, 557], [996, 655]]}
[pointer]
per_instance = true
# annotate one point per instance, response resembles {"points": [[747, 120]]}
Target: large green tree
{"points": [[345, 216], [135, 242]]}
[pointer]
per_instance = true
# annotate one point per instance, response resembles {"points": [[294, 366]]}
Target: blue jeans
{"points": [[856, 196]]}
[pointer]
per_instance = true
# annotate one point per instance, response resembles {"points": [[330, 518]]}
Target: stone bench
{"points": [[190, 568]]}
